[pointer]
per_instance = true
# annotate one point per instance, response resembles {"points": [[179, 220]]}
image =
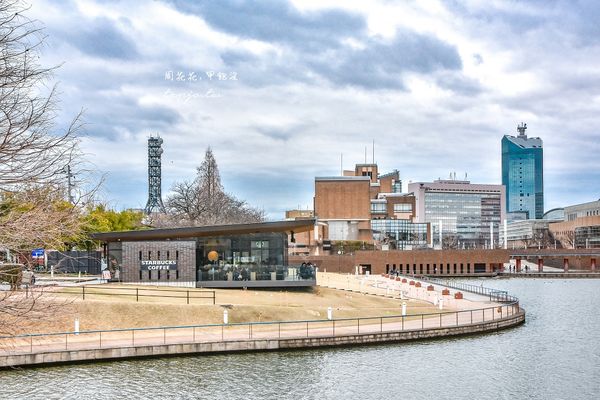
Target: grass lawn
{"points": [[110, 312]]}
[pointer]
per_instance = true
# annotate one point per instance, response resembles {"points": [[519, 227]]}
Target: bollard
{"points": [[79, 275], [52, 271], [225, 317], [77, 326], [403, 309], [441, 303], [329, 313]]}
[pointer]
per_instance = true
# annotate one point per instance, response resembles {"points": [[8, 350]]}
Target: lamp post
{"points": [[340, 252]]}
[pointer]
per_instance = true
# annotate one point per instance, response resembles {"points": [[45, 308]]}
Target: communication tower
{"points": [[155, 150]]}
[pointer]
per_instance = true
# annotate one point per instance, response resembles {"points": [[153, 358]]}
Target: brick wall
{"points": [[432, 262], [183, 251]]}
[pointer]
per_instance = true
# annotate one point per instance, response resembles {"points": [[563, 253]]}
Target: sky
{"points": [[286, 91]]}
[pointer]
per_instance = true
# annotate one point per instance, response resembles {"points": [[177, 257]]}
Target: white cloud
{"points": [[317, 87]]}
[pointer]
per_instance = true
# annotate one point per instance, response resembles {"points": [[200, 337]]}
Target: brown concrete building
{"points": [[362, 206], [581, 227]]}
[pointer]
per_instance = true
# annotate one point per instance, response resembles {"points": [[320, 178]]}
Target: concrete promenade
{"points": [[460, 317]]}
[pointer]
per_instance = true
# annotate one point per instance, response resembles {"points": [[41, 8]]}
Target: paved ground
{"points": [[473, 309]]}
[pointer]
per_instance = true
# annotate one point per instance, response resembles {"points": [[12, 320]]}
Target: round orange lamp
{"points": [[213, 255]]}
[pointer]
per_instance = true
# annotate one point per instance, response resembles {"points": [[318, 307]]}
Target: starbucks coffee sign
{"points": [[158, 265]]}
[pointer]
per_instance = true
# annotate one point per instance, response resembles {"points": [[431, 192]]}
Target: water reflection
{"points": [[555, 355]]}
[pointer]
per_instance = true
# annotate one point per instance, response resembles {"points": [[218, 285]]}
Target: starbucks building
{"points": [[240, 255]]}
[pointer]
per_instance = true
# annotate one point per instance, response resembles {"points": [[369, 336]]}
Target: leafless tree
{"points": [[35, 210], [204, 201], [450, 241]]}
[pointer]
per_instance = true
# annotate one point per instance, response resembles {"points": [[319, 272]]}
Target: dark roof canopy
{"points": [[205, 231]]}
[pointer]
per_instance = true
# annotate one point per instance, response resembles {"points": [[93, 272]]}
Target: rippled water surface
{"points": [[555, 355]]}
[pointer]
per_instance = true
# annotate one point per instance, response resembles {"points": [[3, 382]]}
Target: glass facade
{"points": [[249, 257], [522, 174], [403, 207], [466, 216], [403, 234], [587, 237]]}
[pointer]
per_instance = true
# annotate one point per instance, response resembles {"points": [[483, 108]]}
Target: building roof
{"points": [[525, 142], [342, 178], [206, 231]]}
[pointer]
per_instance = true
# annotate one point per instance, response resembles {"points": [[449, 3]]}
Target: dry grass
{"points": [[106, 312]]}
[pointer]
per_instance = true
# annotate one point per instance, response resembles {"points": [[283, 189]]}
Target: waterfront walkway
{"points": [[458, 319]]}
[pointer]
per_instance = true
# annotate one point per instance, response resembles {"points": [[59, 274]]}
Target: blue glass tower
{"points": [[523, 173]]}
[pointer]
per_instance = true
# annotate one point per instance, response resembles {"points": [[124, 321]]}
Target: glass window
{"points": [[403, 207]]}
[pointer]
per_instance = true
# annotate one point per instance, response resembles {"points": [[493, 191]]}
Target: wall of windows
{"points": [[587, 237], [250, 257], [403, 207], [465, 215], [401, 234]]}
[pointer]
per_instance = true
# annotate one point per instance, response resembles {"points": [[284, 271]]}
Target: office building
{"points": [[464, 211], [523, 174], [581, 227]]}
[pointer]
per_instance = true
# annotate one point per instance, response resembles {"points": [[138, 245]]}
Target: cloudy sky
{"points": [[281, 89]]}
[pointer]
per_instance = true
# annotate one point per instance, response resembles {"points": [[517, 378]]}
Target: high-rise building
{"points": [[463, 210], [523, 173]]}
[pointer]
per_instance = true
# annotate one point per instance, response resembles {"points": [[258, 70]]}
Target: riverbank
{"points": [[461, 316]]}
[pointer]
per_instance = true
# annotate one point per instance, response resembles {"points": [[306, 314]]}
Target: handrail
{"points": [[411, 316], [496, 294]]}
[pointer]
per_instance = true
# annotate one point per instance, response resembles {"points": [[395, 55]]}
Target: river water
{"points": [[554, 355]]}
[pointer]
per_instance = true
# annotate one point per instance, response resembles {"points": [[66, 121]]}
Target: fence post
{"points": [[133, 338], [100, 339], [333, 324], [440, 320], [358, 320], [164, 335], [214, 296], [194, 334], [471, 317], [188, 297], [279, 330], [403, 322], [83, 292], [222, 332], [381, 324], [422, 322], [137, 295], [306, 328], [66, 341], [457, 318], [31, 344]]}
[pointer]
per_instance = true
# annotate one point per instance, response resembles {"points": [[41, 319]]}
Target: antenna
{"points": [[521, 129], [373, 151]]}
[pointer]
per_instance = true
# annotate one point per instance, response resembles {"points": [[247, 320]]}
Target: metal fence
{"points": [[139, 294], [99, 339], [87, 262], [499, 296]]}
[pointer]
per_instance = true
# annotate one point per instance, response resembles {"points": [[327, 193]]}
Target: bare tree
{"points": [[204, 201], [35, 210]]}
